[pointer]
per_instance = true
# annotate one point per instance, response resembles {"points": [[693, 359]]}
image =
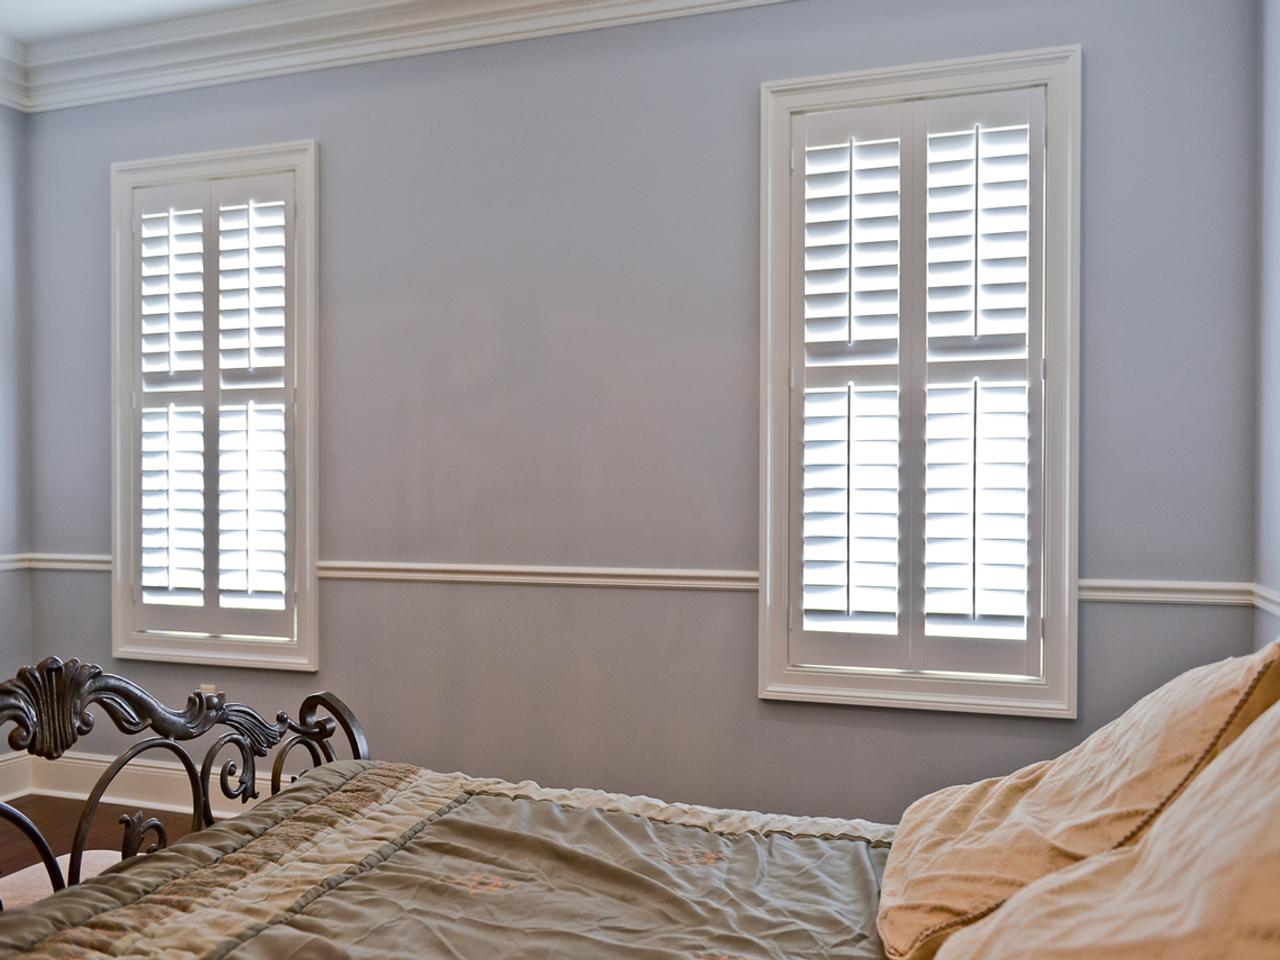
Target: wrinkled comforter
{"points": [[361, 859]]}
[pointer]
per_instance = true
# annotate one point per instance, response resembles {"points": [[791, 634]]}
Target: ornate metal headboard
{"points": [[48, 705]]}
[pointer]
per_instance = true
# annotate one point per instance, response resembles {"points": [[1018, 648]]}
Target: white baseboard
{"points": [[15, 775], [145, 784]]}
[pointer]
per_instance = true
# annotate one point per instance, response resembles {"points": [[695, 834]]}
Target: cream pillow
{"points": [[1202, 882], [961, 852]]}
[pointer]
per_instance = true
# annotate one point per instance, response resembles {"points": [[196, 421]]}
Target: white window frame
{"points": [[128, 641], [1053, 693]]}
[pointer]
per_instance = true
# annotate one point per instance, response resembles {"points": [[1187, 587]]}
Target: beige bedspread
{"points": [[387, 860]]}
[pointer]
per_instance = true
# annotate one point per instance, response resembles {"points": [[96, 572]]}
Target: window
{"points": [[213, 479], [919, 376]]}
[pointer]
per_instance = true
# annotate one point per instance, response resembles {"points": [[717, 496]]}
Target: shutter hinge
{"points": [[1044, 368], [793, 159]]}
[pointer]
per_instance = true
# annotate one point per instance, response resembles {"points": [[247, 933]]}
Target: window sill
{"points": [[262, 654], [957, 694]]}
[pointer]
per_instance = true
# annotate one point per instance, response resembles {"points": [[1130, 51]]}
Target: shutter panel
{"points": [[978, 542], [254, 411], [850, 498], [172, 300], [252, 544], [251, 294], [172, 505], [976, 533], [170, 482]]}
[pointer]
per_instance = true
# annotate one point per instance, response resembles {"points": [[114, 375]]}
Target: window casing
{"points": [[213, 423], [919, 356]]}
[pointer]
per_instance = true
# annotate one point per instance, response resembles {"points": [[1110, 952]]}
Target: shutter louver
{"points": [[977, 466], [251, 294], [850, 434], [172, 300], [251, 506], [252, 433], [172, 506]]}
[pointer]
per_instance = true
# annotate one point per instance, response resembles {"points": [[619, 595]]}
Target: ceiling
{"points": [[34, 20]]}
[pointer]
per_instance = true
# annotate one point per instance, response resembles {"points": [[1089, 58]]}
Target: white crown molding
{"points": [[290, 36], [13, 74], [1214, 593]]}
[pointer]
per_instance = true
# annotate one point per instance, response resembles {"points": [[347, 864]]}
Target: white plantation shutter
{"points": [[252, 511], [172, 505], [917, 402], [171, 278], [252, 262], [253, 521], [171, 340], [214, 381], [850, 551]]}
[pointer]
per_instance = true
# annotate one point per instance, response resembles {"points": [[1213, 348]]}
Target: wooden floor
{"points": [[57, 818]]}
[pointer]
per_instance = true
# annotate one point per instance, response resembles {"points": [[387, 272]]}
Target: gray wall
{"points": [[15, 534], [539, 345], [1267, 626]]}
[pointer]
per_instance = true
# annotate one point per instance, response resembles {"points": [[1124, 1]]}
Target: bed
{"points": [[365, 859]]}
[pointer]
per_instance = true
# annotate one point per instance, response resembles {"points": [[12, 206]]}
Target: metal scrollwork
{"points": [[315, 733], [136, 827], [48, 705], [244, 787]]}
